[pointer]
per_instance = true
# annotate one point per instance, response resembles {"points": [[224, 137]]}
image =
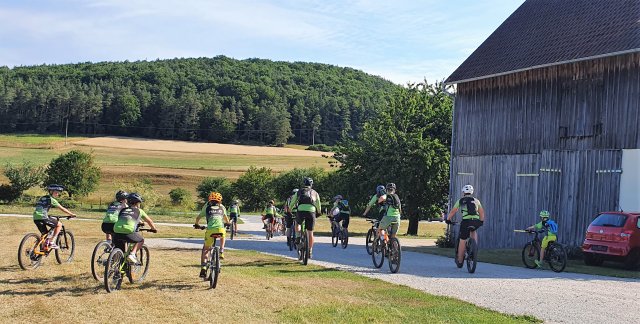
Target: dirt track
{"points": [[193, 147]]}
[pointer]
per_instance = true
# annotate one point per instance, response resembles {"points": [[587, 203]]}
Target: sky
{"points": [[399, 40]]}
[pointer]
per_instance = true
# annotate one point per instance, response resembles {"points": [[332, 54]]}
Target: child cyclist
{"points": [[269, 214], [234, 213], [216, 216], [111, 216], [552, 230], [41, 214], [125, 230]]}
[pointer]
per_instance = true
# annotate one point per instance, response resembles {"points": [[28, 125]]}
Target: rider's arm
{"points": [[56, 204], [225, 218], [293, 202], [316, 203], [202, 213], [148, 220], [453, 211]]}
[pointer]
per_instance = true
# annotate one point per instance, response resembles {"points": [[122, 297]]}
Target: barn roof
{"points": [[550, 32]]}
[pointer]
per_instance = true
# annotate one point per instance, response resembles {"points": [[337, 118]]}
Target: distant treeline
{"points": [[212, 99]]}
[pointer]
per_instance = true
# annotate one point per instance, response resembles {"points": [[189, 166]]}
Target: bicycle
{"points": [[554, 254], [291, 239], [33, 247], [392, 250], [269, 230], [231, 228], [213, 262], [371, 234], [303, 245], [117, 267], [470, 251], [102, 251], [339, 234]]}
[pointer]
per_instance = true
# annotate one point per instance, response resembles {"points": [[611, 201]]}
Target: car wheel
{"points": [[593, 259], [631, 261]]}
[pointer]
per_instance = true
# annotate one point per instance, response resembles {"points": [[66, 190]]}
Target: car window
{"points": [[610, 220]]}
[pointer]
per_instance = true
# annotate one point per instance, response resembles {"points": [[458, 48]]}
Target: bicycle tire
{"points": [[334, 235], [267, 231], [557, 257], [27, 259], [233, 229], [377, 250], [530, 253], [395, 255], [66, 247], [305, 249], [455, 254], [112, 275], [213, 283], [345, 238], [472, 256], [369, 240], [137, 272], [102, 251]]}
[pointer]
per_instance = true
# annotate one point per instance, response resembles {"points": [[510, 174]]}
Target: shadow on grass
{"points": [[71, 289], [307, 270]]}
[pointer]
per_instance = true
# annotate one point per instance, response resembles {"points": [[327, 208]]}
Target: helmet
{"points": [[272, 202], [55, 187], [380, 190], [295, 191], [120, 195], [544, 214], [467, 189], [133, 198], [308, 182], [235, 202], [391, 186], [215, 196], [338, 197]]}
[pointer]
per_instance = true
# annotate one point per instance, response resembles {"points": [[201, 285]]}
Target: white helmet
{"points": [[467, 189]]}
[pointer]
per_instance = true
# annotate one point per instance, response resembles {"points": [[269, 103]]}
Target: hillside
{"points": [[207, 99]]}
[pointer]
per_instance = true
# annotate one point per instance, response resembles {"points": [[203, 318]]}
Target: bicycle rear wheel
{"points": [[67, 247], [215, 264], [345, 238], [99, 259], [377, 253], [28, 257], [395, 255], [455, 254], [557, 257], [334, 235], [112, 275], [233, 229], [472, 255], [369, 240], [137, 272], [305, 248], [530, 254]]}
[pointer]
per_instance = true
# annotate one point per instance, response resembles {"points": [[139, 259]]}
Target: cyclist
{"points": [[216, 216], [377, 199], [125, 230], [552, 230], [472, 215], [341, 212], [288, 215], [269, 213], [113, 211], [234, 213], [391, 211], [307, 202], [41, 214]]}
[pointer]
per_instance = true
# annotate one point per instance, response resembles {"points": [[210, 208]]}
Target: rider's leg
{"points": [[136, 247], [474, 236], [222, 245], [461, 247], [204, 256], [56, 231]]}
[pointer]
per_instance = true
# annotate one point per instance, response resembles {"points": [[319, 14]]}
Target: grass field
{"points": [[253, 288], [36, 140], [358, 227]]}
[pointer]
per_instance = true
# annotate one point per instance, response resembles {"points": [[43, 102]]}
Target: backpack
{"points": [[344, 206], [305, 197], [552, 227], [470, 203]]}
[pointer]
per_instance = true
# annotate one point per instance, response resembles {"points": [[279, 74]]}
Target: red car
{"points": [[613, 236]]}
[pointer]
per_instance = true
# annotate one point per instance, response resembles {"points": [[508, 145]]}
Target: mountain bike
{"points": [[554, 254], [231, 228], [99, 258], [117, 267], [302, 245], [391, 249], [33, 247], [291, 239], [339, 234], [371, 235], [212, 264], [470, 251], [269, 230]]}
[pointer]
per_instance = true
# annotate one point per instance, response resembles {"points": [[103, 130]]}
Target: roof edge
{"points": [[543, 66]]}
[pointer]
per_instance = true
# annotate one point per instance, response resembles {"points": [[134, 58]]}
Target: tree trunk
{"points": [[413, 224]]}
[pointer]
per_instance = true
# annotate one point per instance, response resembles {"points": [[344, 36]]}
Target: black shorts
{"points": [[107, 228], [233, 217], [270, 218], [464, 227], [120, 239], [288, 218], [307, 217], [344, 218], [43, 223]]}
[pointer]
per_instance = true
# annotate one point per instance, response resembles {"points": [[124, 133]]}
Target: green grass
{"points": [[358, 227], [35, 140], [513, 257]]}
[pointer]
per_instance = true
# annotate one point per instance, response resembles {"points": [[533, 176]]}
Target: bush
{"points": [[8, 193], [218, 184], [144, 187], [445, 240], [320, 147], [254, 187], [181, 197], [22, 177], [74, 170], [285, 182]]}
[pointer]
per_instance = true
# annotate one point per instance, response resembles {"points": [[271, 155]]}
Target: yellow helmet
{"points": [[215, 196]]}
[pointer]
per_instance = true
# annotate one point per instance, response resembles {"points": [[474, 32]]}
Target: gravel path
{"points": [[555, 298]]}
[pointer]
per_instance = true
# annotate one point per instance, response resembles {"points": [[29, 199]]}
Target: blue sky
{"points": [[400, 40]]}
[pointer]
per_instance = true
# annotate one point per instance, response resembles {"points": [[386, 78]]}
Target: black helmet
{"points": [[133, 198], [380, 190], [120, 195], [391, 186], [308, 182], [55, 187]]}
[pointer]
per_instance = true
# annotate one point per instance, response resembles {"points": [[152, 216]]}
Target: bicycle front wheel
{"points": [[67, 247], [395, 255], [369, 240], [138, 271], [29, 256], [334, 236], [215, 264], [377, 253], [557, 257], [345, 238], [99, 259], [530, 254], [112, 272], [472, 255], [233, 230]]}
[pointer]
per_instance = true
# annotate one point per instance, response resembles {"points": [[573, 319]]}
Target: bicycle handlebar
{"points": [[67, 217]]}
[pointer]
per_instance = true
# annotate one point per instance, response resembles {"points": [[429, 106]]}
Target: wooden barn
{"points": [[547, 116]]}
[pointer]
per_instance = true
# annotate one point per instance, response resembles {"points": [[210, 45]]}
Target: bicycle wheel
{"points": [[67, 248], [215, 258], [28, 257], [139, 270], [369, 240], [305, 248], [345, 238], [377, 253], [112, 274], [530, 254], [395, 255], [233, 229], [557, 257], [472, 255], [99, 259], [334, 235], [455, 254]]}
